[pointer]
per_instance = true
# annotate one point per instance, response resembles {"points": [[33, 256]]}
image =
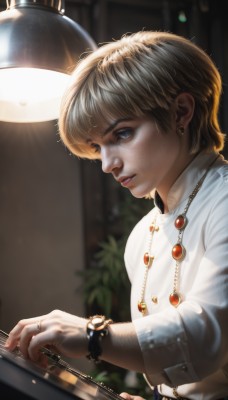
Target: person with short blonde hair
{"points": [[147, 107], [142, 74]]}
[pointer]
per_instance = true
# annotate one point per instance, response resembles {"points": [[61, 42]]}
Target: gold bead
{"points": [[155, 299]]}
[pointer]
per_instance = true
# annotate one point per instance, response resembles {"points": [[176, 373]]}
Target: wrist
{"points": [[97, 329]]}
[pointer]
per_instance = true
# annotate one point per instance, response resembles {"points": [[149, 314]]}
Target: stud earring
{"points": [[180, 130]]}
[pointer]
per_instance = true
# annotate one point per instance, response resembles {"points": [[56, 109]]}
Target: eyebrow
{"points": [[115, 123]]}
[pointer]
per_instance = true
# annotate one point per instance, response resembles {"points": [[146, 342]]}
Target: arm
{"points": [[66, 333]]}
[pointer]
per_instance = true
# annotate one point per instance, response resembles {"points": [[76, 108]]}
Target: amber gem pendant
{"points": [[174, 299], [180, 222], [178, 252]]}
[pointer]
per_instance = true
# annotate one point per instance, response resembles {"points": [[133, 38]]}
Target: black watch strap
{"points": [[94, 345], [97, 329]]}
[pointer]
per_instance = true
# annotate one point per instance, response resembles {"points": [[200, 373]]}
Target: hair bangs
{"points": [[97, 103], [141, 74]]}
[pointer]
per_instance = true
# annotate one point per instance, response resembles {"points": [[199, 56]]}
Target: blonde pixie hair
{"points": [[141, 74]]}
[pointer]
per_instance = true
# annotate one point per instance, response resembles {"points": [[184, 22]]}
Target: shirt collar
{"points": [[185, 183]]}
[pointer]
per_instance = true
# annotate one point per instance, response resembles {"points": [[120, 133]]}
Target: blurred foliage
{"points": [[121, 380], [106, 286], [106, 290]]}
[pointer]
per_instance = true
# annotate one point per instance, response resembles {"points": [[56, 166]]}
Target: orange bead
{"points": [[180, 222], [146, 258], [142, 307], [174, 299], [178, 251], [152, 228]]}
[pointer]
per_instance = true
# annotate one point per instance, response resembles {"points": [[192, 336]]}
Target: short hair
{"points": [[140, 74]]}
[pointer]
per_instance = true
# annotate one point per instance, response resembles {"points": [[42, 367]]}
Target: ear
{"points": [[184, 108]]}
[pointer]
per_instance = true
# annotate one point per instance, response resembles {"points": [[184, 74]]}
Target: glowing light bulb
{"points": [[30, 94]]}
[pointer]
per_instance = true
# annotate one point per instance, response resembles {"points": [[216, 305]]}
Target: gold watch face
{"points": [[96, 322]]}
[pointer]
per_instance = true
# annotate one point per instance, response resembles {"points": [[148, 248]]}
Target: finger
{"points": [[14, 336], [15, 333], [38, 342], [26, 336]]}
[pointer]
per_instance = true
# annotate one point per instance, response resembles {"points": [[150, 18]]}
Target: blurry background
{"points": [[54, 209]]}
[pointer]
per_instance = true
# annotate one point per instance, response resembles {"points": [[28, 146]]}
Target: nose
{"points": [[110, 160]]}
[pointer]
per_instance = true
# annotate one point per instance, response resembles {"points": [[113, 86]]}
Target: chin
{"points": [[147, 193], [139, 195]]}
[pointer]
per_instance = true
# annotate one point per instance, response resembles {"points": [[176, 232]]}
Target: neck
{"points": [[164, 188]]}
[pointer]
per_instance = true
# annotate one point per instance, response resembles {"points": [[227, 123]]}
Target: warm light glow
{"points": [[30, 94]]}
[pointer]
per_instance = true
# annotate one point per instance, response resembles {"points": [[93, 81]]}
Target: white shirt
{"points": [[186, 346]]}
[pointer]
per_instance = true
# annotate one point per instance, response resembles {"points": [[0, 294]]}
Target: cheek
{"points": [[166, 144], [159, 155]]}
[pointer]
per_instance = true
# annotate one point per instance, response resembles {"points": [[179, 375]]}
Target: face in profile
{"points": [[139, 155]]}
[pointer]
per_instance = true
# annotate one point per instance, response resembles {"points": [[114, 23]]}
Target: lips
{"points": [[126, 180]]}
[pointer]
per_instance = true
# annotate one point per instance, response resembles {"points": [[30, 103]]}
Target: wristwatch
{"points": [[97, 329]]}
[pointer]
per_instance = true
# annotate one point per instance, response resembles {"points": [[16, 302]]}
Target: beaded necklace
{"points": [[178, 251]]}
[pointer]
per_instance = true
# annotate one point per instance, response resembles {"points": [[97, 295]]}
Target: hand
{"points": [[128, 396], [64, 332]]}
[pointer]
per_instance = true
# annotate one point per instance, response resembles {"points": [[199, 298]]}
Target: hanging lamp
{"points": [[39, 48]]}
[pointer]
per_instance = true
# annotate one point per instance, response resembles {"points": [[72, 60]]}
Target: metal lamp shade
{"points": [[39, 47]]}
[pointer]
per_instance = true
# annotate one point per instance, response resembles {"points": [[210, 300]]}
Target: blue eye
{"points": [[123, 133]]}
